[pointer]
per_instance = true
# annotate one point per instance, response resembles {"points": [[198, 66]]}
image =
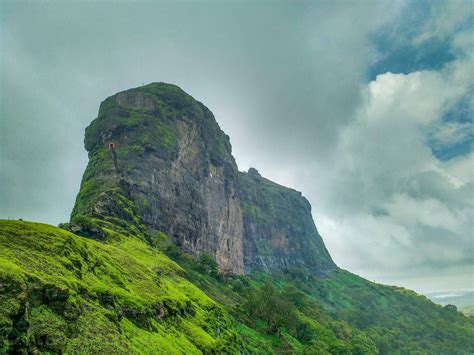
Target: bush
{"points": [[269, 305], [206, 264]]}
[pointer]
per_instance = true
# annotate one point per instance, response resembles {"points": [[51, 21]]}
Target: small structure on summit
{"points": [[111, 146]]}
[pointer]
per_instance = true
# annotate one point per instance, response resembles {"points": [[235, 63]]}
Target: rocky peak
{"points": [[252, 172], [158, 162]]}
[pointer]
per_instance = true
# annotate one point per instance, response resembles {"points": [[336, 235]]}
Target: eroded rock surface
{"points": [[159, 161]]}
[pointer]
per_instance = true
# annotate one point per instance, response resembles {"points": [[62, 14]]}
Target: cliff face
{"points": [[158, 161], [279, 232]]}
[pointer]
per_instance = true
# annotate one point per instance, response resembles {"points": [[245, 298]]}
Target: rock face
{"points": [[158, 161], [279, 232]]}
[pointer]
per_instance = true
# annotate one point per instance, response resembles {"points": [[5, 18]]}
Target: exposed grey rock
{"points": [[171, 169]]}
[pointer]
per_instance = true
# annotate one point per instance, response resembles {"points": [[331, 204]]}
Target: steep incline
{"points": [[279, 232], [61, 293], [159, 162]]}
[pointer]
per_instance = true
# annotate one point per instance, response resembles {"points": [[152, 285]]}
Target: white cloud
{"points": [[418, 97], [452, 133], [446, 18], [461, 169], [391, 206]]}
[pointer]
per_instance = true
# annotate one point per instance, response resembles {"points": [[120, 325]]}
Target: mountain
{"points": [[171, 170], [171, 250]]}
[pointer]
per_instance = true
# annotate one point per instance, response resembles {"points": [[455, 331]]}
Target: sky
{"points": [[364, 106]]}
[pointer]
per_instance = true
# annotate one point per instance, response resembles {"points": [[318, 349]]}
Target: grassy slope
{"points": [[63, 293], [395, 318], [343, 314]]}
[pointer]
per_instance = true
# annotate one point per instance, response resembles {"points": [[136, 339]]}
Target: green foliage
{"points": [[206, 264], [263, 304], [300, 323], [63, 288], [395, 319], [57, 289], [46, 329]]}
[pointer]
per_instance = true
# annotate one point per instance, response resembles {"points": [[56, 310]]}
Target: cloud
{"points": [[422, 35], [451, 133], [389, 197], [260, 72], [455, 15], [461, 168]]}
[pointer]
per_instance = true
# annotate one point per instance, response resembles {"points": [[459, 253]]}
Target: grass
{"points": [[132, 293], [62, 293]]}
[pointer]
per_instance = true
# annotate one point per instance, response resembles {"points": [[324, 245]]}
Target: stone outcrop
{"points": [[158, 161], [279, 232]]}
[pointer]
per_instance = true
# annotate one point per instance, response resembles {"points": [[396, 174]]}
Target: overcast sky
{"points": [[366, 107]]}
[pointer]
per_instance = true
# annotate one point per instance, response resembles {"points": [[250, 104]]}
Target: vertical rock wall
{"points": [[172, 170]]}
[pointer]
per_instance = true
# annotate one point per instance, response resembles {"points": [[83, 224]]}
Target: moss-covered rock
{"points": [[158, 161]]}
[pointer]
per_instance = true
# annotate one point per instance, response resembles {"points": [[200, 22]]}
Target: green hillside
{"points": [[62, 293], [65, 293]]}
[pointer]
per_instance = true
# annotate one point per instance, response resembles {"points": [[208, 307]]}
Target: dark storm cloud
{"points": [[261, 67]]}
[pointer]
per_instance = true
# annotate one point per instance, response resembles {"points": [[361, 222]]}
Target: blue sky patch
{"points": [[459, 116], [399, 48], [431, 55]]}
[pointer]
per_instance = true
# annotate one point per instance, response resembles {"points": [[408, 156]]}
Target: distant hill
{"points": [[459, 298]]}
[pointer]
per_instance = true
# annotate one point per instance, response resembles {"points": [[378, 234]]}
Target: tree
{"points": [[269, 305]]}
